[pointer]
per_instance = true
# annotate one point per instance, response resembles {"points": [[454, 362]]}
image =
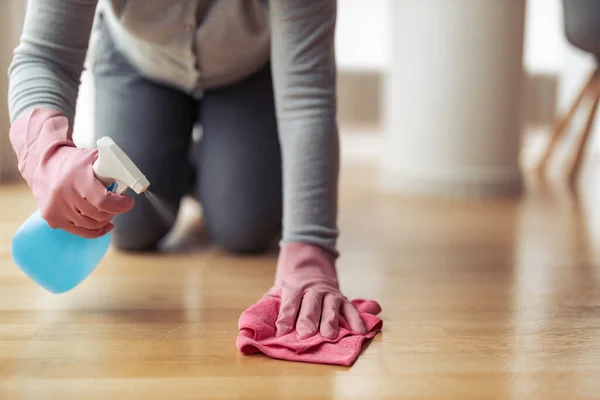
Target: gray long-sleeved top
{"points": [[200, 44]]}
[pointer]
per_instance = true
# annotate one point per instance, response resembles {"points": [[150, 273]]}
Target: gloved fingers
{"points": [[82, 221], [288, 311], [331, 316], [353, 317], [88, 210], [89, 233], [310, 314], [111, 202]]}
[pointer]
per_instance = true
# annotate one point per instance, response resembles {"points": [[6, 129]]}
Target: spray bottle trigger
{"points": [[119, 187], [114, 164]]}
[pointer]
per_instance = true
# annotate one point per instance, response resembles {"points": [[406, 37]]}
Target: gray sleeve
{"points": [[48, 62], [304, 73]]}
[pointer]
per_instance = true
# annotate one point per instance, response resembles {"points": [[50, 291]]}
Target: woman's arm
{"points": [[304, 73], [48, 62], [43, 85]]}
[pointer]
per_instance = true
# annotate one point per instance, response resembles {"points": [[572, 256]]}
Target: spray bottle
{"points": [[59, 260]]}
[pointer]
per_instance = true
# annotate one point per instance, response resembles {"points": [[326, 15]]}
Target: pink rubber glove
{"points": [[311, 301], [61, 177]]}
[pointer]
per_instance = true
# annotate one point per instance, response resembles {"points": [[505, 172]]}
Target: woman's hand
{"points": [[61, 177], [311, 300]]}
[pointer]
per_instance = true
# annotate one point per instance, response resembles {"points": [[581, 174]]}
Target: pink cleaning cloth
{"points": [[257, 335]]}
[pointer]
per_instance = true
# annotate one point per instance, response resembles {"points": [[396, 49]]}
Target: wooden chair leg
{"points": [[576, 159], [562, 123]]}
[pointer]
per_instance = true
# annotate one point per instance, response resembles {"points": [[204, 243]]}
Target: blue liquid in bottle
{"points": [[55, 259]]}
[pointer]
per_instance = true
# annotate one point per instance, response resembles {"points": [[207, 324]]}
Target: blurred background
{"points": [[396, 96]]}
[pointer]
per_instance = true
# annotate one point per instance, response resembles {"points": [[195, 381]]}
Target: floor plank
{"points": [[489, 299]]}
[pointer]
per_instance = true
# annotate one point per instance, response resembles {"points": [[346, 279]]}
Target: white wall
{"points": [[544, 38], [363, 35]]}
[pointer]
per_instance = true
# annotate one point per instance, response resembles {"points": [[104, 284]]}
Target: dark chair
{"points": [[582, 30]]}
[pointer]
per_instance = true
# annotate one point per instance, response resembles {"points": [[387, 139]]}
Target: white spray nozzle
{"points": [[114, 167]]}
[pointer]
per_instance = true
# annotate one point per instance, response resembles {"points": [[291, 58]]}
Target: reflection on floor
{"points": [[481, 299]]}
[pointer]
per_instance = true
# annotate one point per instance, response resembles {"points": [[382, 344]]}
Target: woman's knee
{"points": [[139, 230], [245, 234], [137, 238]]}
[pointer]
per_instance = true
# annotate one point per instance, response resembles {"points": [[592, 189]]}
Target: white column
{"points": [[11, 19], [453, 98]]}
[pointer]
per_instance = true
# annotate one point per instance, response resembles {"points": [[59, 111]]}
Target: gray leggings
{"points": [[234, 171]]}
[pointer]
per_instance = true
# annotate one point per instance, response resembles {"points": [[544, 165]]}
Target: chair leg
{"points": [[562, 123], [576, 159]]}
